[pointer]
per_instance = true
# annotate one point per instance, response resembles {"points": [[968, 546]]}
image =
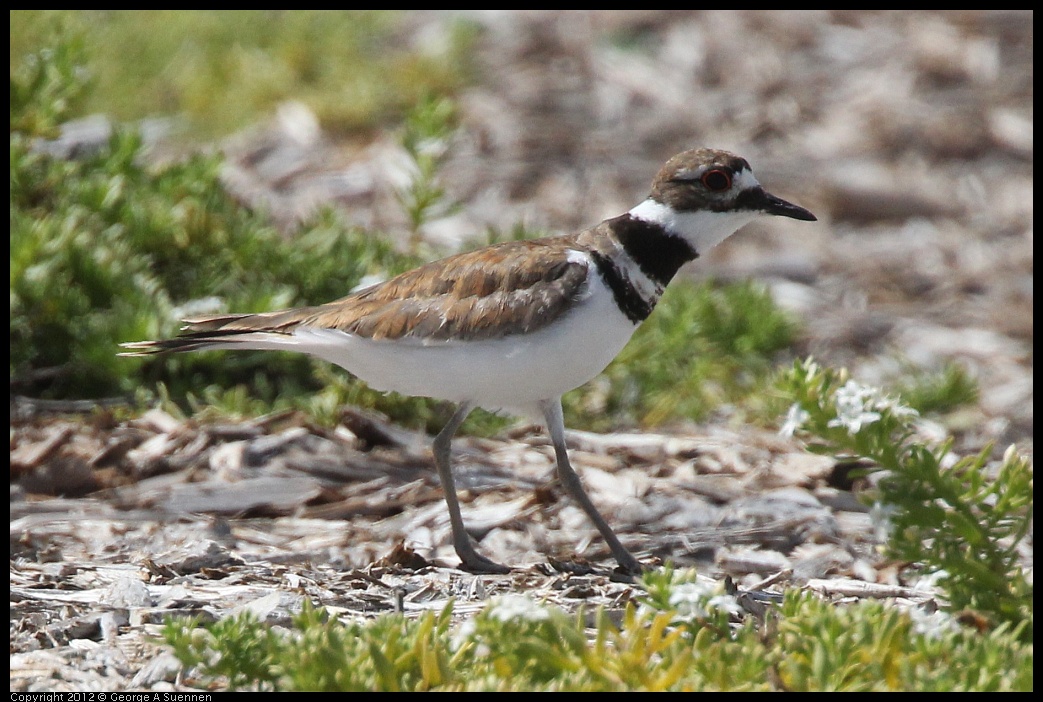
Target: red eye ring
{"points": [[717, 180]]}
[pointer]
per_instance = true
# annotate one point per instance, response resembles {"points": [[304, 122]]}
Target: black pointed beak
{"points": [[763, 201]]}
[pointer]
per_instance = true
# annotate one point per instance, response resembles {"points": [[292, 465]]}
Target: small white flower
{"points": [[725, 603], [795, 419], [513, 607], [889, 404], [854, 421], [933, 625], [698, 598], [689, 599], [463, 634], [859, 405], [852, 402]]}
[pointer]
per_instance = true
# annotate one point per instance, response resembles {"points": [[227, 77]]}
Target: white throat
{"points": [[702, 229]]}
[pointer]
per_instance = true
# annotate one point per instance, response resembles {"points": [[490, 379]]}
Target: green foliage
{"points": [[428, 133], [531, 643], [105, 250], [222, 69], [961, 518], [838, 649], [875, 646], [703, 345], [47, 86], [684, 636], [248, 651], [941, 391], [390, 654]]}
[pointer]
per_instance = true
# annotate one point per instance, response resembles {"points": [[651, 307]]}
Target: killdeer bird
{"points": [[514, 325]]}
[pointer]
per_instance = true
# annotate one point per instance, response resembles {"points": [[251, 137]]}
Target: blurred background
{"points": [[908, 133]]}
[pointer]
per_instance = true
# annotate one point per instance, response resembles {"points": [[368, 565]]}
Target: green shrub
{"points": [[962, 519], [106, 250], [683, 636]]}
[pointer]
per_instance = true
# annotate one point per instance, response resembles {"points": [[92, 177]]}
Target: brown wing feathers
{"points": [[514, 287], [477, 295]]}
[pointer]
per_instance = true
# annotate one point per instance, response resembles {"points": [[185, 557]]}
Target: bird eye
{"points": [[717, 180]]}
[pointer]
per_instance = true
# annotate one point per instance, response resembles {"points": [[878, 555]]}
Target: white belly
{"points": [[511, 373]]}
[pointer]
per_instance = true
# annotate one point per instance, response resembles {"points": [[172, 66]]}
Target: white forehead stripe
{"points": [[744, 180]]}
